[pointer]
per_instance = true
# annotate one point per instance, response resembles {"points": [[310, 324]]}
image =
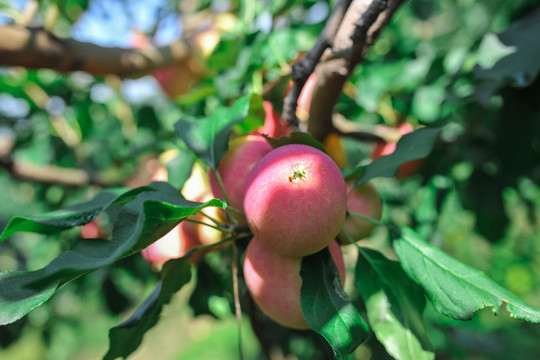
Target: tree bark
{"points": [[38, 48]]}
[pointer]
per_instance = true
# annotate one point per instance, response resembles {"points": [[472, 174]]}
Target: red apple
{"points": [[295, 200], [244, 152], [274, 282], [273, 124], [173, 245], [92, 230], [362, 201], [304, 100], [382, 149]]}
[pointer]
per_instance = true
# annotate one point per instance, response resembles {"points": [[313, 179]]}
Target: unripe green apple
{"points": [[295, 200], [364, 200], [244, 152], [274, 282]]}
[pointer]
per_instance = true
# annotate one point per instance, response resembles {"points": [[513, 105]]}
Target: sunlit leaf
{"points": [[145, 219], [209, 137], [327, 308], [296, 137], [394, 306], [68, 217], [126, 337], [412, 146], [455, 289]]}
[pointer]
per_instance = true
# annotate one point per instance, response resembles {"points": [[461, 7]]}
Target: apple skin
{"points": [[244, 152], [364, 200], [273, 124], [293, 213], [383, 149], [304, 100], [274, 282], [172, 245]]}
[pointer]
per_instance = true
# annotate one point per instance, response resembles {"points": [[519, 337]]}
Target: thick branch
{"points": [[38, 48], [361, 26], [302, 69], [50, 174]]}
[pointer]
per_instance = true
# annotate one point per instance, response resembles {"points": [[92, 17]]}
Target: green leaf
{"points": [[125, 338], [455, 289], [68, 217], [511, 56], [15, 302], [208, 138], [179, 169], [394, 306], [327, 308], [139, 223], [412, 146], [296, 137]]}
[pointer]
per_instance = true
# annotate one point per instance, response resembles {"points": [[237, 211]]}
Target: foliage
{"points": [[459, 236]]}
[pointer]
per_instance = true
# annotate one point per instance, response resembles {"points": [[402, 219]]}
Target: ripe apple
{"points": [[295, 200], [304, 100], [92, 230], [362, 201], [201, 234], [273, 124], [244, 152], [382, 149], [173, 245], [187, 234], [274, 282]]}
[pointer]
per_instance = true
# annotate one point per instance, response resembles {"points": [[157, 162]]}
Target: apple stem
{"points": [[217, 227], [378, 222], [237, 307], [226, 198]]}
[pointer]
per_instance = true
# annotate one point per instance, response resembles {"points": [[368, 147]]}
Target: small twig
{"points": [[362, 136], [237, 307], [359, 35], [302, 69]]}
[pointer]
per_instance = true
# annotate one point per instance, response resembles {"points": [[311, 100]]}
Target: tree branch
{"points": [[360, 27], [302, 69], [38, 48]]}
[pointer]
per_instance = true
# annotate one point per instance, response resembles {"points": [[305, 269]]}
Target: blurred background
{"points": [[470, 66]]}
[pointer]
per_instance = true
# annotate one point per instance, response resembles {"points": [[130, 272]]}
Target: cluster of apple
{"points": [[294, 200]]}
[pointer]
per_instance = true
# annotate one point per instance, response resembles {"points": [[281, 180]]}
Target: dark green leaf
{"points": [[412, 146], [15, 302], [394, 306], [139, 223], [455, 289], [296, 137], [209, 137], [327, 308], [511, 56], [179, 169], [76, 215], [126, 337]]}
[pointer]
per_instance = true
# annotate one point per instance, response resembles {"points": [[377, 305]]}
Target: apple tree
{"points": [[318, 179]]}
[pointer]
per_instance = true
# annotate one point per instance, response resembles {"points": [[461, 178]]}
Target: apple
{"points": [[178, 78], [383, 149], [201, 234], [173, 245], [304, 100], [186, 235], [92, 230], [244, 152], [274, 282], [273, 124], [364, 200], [295, 200]]}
